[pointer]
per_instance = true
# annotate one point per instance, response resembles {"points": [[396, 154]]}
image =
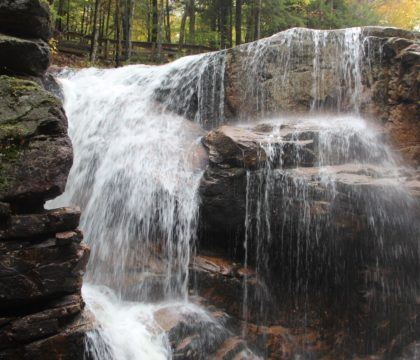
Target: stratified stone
{"points": [[17, 331], [37, 270], [26, 18], [35, 150], [22, 56], [68, 344], [46, 223]]}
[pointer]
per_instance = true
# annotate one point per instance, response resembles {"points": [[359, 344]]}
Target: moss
{"points": [[13, 133]]}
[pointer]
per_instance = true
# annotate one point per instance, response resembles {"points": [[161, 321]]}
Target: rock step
{"points": [[286, 146]]}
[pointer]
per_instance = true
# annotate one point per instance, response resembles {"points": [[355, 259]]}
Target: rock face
{"points": [[277, 75], [26, 18], [43, 257], [308, 207]]}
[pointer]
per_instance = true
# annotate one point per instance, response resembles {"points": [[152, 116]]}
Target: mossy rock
{"points": [[35, 151]]}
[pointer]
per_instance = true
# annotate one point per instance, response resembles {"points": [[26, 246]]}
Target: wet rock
{"points": [[68, 344], [193, 333], [276, 75], [23, 56], [46, 223], [234, 147], [35, 271], [16, 331], [26, 18], [33, 143]]}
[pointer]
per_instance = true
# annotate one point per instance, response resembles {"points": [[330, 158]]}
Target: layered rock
{"points": [[320, 234], [43, 257], [373, 70]]}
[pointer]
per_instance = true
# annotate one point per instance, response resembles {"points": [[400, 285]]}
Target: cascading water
{"points": [[321, 166], [135, 178], [136, 133]]}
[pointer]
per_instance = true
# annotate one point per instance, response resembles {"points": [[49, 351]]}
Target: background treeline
{"points": [[215, 24]]}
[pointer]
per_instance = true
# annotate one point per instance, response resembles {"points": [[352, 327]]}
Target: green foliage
{"points": [[215, 20]]}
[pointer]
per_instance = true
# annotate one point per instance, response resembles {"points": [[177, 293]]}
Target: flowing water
{"points": [[135, 177], [136, 132]]}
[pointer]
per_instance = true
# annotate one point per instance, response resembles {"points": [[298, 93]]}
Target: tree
{"points": [[238, 22], [94, 40]]}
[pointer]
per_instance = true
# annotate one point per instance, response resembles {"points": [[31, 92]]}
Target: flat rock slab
{"points": [[27, 18]]}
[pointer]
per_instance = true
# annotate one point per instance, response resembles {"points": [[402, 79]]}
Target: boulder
{"points": [[23, 56], [34, 144], [26, 18]]}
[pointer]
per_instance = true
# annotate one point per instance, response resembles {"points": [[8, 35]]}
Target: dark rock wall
{"points": [[42, 254]]}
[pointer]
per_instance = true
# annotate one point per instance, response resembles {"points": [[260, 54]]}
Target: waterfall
{"points": [[138, 163], [135, 175], [316, 163]]}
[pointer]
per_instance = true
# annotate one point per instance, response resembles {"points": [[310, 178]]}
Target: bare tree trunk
{"points": [[117, 34], [238, 22], [160, 32], [60, 14], [82, 22], [168, 23], [191, 14], [182, 29], [127, 21], [155, 20], [68, 19], [230, 25], [106, 29], [94, 39], [257, 23], [249, 24], [223, 9]]}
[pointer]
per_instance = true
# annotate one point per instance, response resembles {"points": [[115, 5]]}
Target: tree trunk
{"points": [[94, 39], [223, 23], [60, 14], [257, 22], [68, 19], [238, 22], [106, 29], [182, 29], [249, 23], [155, 21], [127, 21], [191, 14], [82, 22], [168, 23], [117, 34], [230, 25], [160, 32]]}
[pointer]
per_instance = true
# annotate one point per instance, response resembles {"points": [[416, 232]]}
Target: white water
{"points": [[135, 175], [136, 182]]}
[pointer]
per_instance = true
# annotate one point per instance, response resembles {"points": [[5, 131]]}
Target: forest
{"points": [[109, 27]]}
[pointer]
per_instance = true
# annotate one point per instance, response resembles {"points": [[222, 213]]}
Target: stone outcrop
{"points": [[26, 18], [43, 257], [264, 187], [277, 75]]}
